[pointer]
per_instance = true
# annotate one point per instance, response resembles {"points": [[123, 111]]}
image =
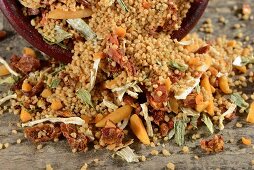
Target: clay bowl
{"points": [[12, 11]]}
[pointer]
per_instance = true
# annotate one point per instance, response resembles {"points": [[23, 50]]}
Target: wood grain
{"points": [[25, 156]]}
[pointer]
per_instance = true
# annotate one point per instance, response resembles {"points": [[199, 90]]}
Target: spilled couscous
{"points": [[128, 79]]}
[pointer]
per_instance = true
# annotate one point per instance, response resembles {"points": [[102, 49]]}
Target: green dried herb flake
{"points": [[179, 127], [208, 123], [85, 97], [176, 65], [237, 99]]}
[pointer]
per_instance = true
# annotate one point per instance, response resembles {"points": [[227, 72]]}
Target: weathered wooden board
{"points": [[25, 156]]}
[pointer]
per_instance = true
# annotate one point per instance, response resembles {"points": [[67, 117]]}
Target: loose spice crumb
{"points": [[39, 146], [252, 161], [96, 161], [239, 35], [154, 152], [84, 167], [49, 167], [237, 26], [152, 144], [143, 158], [246, 141], [196, 157], [165, 138], [14, 131], [18, 141], [170, 166], [97, 147], [6, 145], [1, 146], [222, 20], [56, 140], [165, 152], [239, 125], [74, 150], [185, 149], [18, 125]]}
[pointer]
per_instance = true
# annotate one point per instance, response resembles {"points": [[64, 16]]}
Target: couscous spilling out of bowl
{"points": [[128, 80]]}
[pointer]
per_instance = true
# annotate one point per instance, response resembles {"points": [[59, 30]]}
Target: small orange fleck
{"points": [[146, 5], [246, 141]]}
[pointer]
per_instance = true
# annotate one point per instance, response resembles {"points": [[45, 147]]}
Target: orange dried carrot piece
{"points": [[98, 117], [138, 129], [26, 87], [98, 55], [250, 117], [242, 69], [194, 61], [86, 118], [224, 86], [4, 71], [25, 116], [213, 71], [246, 141], [199, 98], [168, 84], [120, 31], [29, 52]]}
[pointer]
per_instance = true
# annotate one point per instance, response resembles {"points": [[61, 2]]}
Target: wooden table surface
{"points": [[25, 156]]}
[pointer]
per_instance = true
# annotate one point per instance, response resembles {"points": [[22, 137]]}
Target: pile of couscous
{"points": [[126, 77]]}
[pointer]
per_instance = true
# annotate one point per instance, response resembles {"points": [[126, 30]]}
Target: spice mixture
{"points": [[126, 77]]}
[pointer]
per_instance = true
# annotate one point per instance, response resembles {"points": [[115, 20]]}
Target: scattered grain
{"points": [[165, 152], [170, 166], [154, 152], [49, 167]]}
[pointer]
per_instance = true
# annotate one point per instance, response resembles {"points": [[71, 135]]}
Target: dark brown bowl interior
{"points": [[194, 14], [12, 10]]}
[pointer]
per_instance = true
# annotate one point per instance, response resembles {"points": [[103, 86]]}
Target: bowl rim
{"points": [[21, 24]]}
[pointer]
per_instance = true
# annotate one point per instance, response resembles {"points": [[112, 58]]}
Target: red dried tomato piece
{"points": [[111, 135], [25, 64], [42, 133], [171, 124], [216, 144], [164, 129], [138, 110], [128, 100], [160, 94], [118, 57], [190, 100], [113, 39], [156, 105], [38, 88], [75, 139], [169, 23], [158, 117], [176, 77]]}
